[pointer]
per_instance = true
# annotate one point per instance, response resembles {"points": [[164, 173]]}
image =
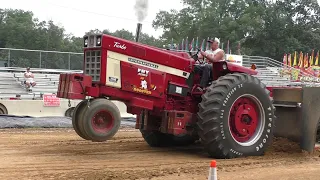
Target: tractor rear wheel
{"points": [[184, 140], [101, 121], [159, 139], [156, 138], [236, 117], [76, 116]]}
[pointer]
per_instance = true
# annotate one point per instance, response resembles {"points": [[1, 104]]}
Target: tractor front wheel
{"points": [[101, 120], [236, 117], [76, 119]]}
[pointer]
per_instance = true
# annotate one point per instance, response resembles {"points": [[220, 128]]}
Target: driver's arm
{"points": [[200, 56], [215, 58]]}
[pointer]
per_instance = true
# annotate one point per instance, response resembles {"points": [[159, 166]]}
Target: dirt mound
{"points": [[283, 145]]}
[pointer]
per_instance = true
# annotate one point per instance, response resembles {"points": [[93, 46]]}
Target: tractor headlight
{"points": [[224, 66], [98, 41], [85, 41]]}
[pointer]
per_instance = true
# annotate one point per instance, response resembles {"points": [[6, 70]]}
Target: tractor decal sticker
{"points": [[142, 72], [144, 87], [136, 61], [139, 90], [153, 87], [179, 90], [113, 79], [144, 84], [120, 46]]}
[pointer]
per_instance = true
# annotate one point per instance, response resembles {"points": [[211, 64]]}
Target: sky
{"points": [[79, 16]]}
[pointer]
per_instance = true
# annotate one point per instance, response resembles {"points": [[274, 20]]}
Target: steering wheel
{"points": [[195, 56]]}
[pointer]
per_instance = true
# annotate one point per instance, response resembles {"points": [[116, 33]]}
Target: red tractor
{"points": [[234, 117]]}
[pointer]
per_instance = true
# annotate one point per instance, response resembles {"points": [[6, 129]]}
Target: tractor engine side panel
{"points": [[113, 73], [142, 80]]}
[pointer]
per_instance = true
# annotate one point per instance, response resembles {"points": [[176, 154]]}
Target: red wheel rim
{"points": [[246, 120], [102, 121]]}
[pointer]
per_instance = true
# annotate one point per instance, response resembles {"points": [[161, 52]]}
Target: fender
{"points": [[222, 68], [237, 68]]}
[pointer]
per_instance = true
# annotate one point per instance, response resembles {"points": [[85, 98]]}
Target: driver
{"points": [[212, 55]]}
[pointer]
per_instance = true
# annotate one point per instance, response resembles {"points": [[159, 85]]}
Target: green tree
{"points": [[265, 28]]}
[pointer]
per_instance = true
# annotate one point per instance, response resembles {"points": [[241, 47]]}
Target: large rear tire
{"points": [[236, 117], [184, 140], [156, 138], [159, 139], [101, 121]]}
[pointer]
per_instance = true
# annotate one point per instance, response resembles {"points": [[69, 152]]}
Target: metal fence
{"points": [[40, 59], [260, 62], [247, 61], [70, 60]]}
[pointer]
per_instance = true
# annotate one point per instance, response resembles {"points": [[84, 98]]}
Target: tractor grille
{"points": [[92, 64]]}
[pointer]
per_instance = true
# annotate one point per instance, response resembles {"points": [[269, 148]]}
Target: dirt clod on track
{"points": [[61, 154]]}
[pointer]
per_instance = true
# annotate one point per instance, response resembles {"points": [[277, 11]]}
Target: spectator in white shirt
{"points": [[28, 75]]}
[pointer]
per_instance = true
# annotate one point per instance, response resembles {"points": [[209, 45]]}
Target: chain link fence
{"points": [[40, 59], [74, 61]]}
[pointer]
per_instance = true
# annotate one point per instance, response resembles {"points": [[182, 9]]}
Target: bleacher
{"points": [[269, 72], [11, 82], [271, 77]]}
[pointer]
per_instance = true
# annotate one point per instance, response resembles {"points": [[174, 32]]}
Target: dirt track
{"points": [[61, 154]]}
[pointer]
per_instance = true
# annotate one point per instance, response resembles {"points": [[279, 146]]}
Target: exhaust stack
{"points": [[139, 26]]}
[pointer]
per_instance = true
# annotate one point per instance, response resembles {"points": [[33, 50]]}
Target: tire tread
{"points": [[208, 115]]}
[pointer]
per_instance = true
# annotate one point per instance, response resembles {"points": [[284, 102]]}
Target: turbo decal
{"points": [[120, 46]]}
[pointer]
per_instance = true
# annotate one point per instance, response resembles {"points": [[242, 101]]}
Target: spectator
{"points": [[28, 75]]}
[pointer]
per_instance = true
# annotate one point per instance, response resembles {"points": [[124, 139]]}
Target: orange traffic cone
{"points": [[213, 171]]}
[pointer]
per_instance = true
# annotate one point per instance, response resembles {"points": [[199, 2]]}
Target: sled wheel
{"points": [[76, 116], [102, 120], [3, 109], [236, 117], [69, 112]]}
